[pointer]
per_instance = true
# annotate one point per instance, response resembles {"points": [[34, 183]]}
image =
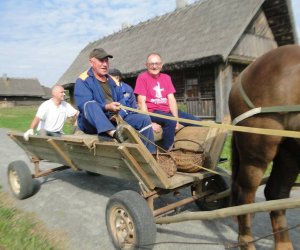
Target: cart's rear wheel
{"points": [[217, 184], [20, 180], [130, 221]]}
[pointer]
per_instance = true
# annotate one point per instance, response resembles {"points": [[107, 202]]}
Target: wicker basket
{"points": [[189, 162], [167, 163]]}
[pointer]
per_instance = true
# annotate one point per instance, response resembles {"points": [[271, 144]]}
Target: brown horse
{"points": [[272, 80]]}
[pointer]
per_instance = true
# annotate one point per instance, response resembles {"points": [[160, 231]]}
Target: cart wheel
{"points": [[92, 173], [217, 184], [20, 180], [130, 221]]}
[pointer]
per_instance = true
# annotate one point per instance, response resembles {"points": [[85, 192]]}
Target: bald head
{"points": [[58, 93], [56, 88]]}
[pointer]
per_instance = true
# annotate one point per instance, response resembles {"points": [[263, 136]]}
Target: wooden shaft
{"points": [[266, 206], [50, 171], [175, 205]]}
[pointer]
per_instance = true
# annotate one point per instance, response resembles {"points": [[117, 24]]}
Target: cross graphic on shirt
{"points": [[158, 90]]}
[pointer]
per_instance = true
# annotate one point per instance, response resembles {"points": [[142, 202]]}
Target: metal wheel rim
{"points": [[14, 181], [122, 227]]}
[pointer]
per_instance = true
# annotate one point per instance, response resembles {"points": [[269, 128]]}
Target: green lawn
{"points": [[226, 153], [19, 230], [19, 118]]}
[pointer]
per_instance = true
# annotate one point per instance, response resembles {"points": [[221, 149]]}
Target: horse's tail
{"points": [[235, 163]]}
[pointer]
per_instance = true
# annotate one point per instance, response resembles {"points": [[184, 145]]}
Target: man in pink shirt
{"points": [[155, 92]]}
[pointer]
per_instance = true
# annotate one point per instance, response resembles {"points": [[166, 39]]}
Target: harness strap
{"points": [[243, 93], [260, 110]]}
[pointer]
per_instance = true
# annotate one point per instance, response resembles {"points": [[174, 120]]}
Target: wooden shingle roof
{"points": [[205, 31], [20, 87]]}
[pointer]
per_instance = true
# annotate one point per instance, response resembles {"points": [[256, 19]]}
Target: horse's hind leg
{"points": [[248, 171], [282, 178], [246, 195]]}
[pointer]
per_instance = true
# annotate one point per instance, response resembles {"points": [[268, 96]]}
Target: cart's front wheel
{"points": [[20, 180], [216, 184], [130, 221]]}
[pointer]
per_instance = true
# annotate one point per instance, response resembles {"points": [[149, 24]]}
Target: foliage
{"points": [[182, 107]]}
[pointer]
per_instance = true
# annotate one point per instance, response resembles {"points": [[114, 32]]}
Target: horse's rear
{"points": [[272, 80]]}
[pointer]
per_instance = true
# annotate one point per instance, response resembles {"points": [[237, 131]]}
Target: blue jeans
{"points": [[168, 126]]}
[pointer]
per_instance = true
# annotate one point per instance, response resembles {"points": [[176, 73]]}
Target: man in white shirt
{"points": [[52, 114]]}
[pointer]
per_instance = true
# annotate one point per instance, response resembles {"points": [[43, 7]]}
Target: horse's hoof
{"points": [[284, 246], [246, 243]]}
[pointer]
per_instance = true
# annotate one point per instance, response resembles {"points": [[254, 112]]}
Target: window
{"points": [[192, 87]]}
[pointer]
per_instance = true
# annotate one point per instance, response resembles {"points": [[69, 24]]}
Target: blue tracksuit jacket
{"points": [[94, 119]]}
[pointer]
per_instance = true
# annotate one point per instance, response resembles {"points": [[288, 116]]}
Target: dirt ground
{"points": [[74, 203]]}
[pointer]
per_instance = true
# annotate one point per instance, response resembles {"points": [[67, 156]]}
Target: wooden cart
{"points": [[130, 216]]}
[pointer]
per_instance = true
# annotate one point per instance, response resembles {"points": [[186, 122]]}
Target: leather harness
{"points": [[259, 110]]}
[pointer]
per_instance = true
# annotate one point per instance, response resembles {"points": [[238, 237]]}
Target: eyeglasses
{"points": [[154, 64]]}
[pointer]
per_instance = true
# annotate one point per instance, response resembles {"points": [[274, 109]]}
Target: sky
{"points": [[41, 38]]}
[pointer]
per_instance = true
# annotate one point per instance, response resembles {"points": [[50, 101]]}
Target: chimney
{"points": [[180, 4], [4, 77]]}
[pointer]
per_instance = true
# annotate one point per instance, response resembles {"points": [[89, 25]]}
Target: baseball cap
{"points": [[115, 72], [99, 53]]}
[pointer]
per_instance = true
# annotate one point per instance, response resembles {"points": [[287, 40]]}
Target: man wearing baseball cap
{"points": [[98, 98]]}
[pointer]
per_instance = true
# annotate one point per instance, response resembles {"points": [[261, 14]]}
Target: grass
{"points": [[19, 118], [226, 153], [19, 230]]}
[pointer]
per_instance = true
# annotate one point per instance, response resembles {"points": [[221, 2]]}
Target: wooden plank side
{"points": [[136, 168], [106, 163], [151, 167], [180, 179], [38, 147], [63, 154]]}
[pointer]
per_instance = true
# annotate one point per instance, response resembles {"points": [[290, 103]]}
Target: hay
{"points": [[167, 163]]}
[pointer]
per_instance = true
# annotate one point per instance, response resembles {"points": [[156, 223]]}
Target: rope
{"points": [[211, 124]]}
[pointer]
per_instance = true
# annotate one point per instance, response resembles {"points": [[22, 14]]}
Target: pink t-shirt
{"points": [[156, 90]]}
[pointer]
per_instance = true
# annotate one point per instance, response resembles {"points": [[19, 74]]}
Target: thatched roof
{"points": [[20, 87], [203, 32], [47, 92], [280, 18]]}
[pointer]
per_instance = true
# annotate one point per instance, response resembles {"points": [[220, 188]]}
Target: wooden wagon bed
{"points": [[121, 160], [128, 213]]}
